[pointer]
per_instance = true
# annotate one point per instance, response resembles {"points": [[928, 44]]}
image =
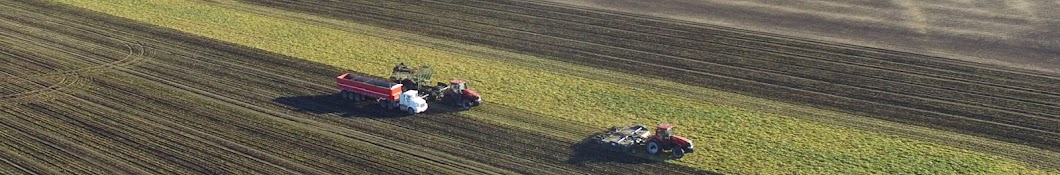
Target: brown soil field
{"points": [[1013, 33], [979, 99], [86, 93]]}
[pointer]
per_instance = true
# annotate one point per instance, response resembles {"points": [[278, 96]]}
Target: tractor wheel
{"points": [[678, 153], [412, 110], [465, 104], [653, 147]]}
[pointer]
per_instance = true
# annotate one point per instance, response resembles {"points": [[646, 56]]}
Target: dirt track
{"points": [[86, 93], [1010, 105]]}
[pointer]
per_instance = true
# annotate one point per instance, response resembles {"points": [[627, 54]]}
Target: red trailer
{"points": [[388, 94]]}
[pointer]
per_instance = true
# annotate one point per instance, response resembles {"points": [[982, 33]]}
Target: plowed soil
{"points": [[86, 93], [984, 100]]}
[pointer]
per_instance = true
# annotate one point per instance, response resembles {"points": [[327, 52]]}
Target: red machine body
{"points": [[371, 87], [664, 139]]}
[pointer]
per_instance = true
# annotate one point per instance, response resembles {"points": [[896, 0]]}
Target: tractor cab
{"points": [[458, 86], [664, 131], [462, 95], [664, 139]]}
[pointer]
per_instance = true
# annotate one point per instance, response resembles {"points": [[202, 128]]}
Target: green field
{"points": [[730, 139]]}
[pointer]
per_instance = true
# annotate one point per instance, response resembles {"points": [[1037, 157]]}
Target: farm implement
{"points": [[630, 139]]}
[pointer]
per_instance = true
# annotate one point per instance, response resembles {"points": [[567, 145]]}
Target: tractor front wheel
{"points": [[465, 104], [653, 147], [412, 110], [678, 153]]}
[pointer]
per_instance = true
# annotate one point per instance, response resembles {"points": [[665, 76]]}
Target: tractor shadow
{"points": [[589, 151], [333, 104]]}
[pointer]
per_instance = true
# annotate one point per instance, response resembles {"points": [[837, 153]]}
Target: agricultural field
{"points": [[1012, 33], [177, 87]]}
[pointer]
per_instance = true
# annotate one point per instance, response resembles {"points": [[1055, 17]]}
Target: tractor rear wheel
{"points": [[653, 147], [678, 153]]}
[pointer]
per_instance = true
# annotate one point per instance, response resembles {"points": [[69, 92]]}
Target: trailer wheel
{"points": [[653, 147], [385, 105], [344, 95]]}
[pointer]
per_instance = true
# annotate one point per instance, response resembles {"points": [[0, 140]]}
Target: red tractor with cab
{"points": [[664, 139], [629, 139], [457, 93]]}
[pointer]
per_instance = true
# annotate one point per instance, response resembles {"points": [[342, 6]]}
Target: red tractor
{"points": [[665, 140], [457, 93]]}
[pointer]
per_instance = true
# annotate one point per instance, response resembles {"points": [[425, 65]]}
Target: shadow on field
{"points": [[588, 151], [333, 104]]}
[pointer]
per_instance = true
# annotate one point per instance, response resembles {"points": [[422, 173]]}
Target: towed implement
{"points": [[630, 139]]}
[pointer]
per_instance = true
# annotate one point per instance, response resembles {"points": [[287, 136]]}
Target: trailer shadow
{"points": [[333, 104]]}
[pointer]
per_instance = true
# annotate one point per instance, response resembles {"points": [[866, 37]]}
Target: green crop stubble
{"points": [[730, 139]]}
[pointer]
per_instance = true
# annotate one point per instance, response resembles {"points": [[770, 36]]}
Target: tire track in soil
{"points": [[130, 50], [175, 84], [65, 78], [1035, 130]]}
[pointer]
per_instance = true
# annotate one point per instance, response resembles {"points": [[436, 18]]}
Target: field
{"points": [[162, 90], [1011, 33]]}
